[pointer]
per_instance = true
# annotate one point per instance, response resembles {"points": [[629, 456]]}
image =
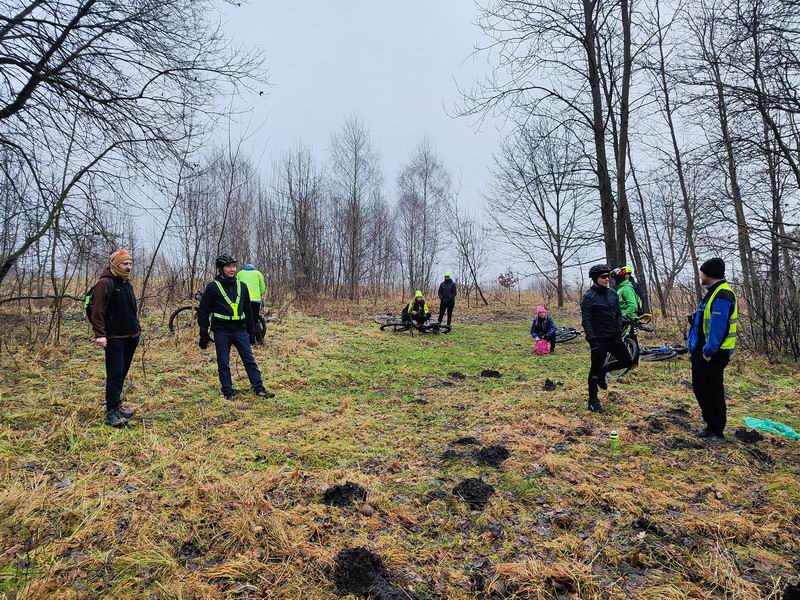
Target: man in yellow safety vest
{"points": [[711, 340]]}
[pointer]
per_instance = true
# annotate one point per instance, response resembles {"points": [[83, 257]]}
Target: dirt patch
{"points": [[760, 456], [457, 375], [581, 430], [677, 412], [490, 373], [362, 573], [791, 591], [550, 385], [344, 495], [466, 441], [654, 424], [645, 524], [474, 492], [748, 436], [492, 456], [443, 383], [188, 551], [683, 444]]}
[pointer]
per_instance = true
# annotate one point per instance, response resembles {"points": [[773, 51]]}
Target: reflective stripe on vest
{"points": [[729, 343], [234, 305], [411, 307]]}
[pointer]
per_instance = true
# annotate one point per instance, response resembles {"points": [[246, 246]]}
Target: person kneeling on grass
{"points": [[543, 327], [417, 310], [226, 302]]}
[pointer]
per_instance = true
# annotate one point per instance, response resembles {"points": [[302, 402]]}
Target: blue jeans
{"points": [[223, 340], [119, 355]]}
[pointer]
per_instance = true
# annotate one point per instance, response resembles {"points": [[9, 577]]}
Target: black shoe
{"points": [[595, 406], [707, 434], [115, 419], [265, 394], [125, 413], [602, 383]]}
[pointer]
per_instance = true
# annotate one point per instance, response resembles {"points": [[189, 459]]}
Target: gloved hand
{"points": [[252, 339], [204, 339], [690, 318]]}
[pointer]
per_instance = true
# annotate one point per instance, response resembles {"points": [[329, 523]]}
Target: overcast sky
{"points": [[393, 63]]}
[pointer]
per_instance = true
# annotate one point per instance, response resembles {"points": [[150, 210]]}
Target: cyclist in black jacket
{"points": [[447, 297], [226, 303], [602, 323]]}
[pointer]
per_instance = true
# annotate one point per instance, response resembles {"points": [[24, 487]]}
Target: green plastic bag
{"points": [[772, 427]]}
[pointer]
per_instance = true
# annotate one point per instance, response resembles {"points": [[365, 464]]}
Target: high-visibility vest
{"points": [[411, 308], [729, 343], [234, 316]]}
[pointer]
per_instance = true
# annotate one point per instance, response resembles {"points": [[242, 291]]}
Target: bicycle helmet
{"points": [[224, 259], [619, 274], [598, 270]]}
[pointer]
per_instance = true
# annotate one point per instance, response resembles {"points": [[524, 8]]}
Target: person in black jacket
{"points": [[602, 323], [116, 330], [447, 297], [226, 303]]}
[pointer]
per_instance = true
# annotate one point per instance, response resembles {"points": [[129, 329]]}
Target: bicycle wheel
{"points": [[385, 319], [397, 327], [261, 327], [565, 334], [435, 328], [633, 349], [181, 319], [659, 354]]}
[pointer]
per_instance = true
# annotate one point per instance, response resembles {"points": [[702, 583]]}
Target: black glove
{"points": [[252, 339], [690, 318], [204, 339]]}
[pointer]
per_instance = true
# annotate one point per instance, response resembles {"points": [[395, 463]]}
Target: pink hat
{"points": [[540, 309]]}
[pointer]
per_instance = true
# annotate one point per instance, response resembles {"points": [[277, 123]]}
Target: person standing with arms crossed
{"points": [[256, 287], [711, 341], [447, 297], [116, 330], [226, 303]]}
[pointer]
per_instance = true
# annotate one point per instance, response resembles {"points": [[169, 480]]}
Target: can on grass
{"points": [[613, 439]]}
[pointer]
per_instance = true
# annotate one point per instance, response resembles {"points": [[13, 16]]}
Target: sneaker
{"points": [[115, 419], [125, 413], [265, 394]]}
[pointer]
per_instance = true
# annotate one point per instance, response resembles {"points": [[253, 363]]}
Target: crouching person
{"points": [[116, 330], [225, 306], [543, 327]]}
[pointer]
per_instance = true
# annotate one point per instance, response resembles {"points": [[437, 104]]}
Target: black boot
{"points": [[115, 419], [265, 394], [125, 413], [595, 406]]}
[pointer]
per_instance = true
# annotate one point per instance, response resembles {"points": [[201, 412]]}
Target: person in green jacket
{"points": [[257, 287], [629, 302]]}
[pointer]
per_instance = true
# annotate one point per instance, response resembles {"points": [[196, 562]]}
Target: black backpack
{"points": [[88, 299]]}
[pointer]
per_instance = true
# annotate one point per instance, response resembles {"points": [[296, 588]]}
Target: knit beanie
{"points": [[116, 259], [540, 309], [714, 268]]}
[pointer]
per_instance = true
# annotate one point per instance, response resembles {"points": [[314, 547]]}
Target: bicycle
{"points": [[396, 324], [658, 353], [631, 342], [566, 334], [181, 319]]}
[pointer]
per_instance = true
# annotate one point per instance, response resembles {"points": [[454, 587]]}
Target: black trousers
{"points": [[708, 384], [256, 306], [119, 356], [223, 340], [447, 305], [601, 348]]}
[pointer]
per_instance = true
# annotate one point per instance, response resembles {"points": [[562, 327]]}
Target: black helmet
{"points": [[224, 259], [598, 270]]}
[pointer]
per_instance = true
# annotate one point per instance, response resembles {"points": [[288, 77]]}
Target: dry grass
{"points": [[207, 499]]}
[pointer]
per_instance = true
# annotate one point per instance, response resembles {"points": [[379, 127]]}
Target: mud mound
{"points": [[362, 573], [492, 455], [466, 441], [791, 591], [748, 436], [677, 412], [645, 524], [343, 495], [683, 444], [474, 492], [490, 373], [550, 385], [761, 457], [457, 375], [581, 430], [654, 424]]}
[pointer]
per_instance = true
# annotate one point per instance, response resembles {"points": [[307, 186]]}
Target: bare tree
{"points": [[356, 181], [424, 189], [539, 203]]}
